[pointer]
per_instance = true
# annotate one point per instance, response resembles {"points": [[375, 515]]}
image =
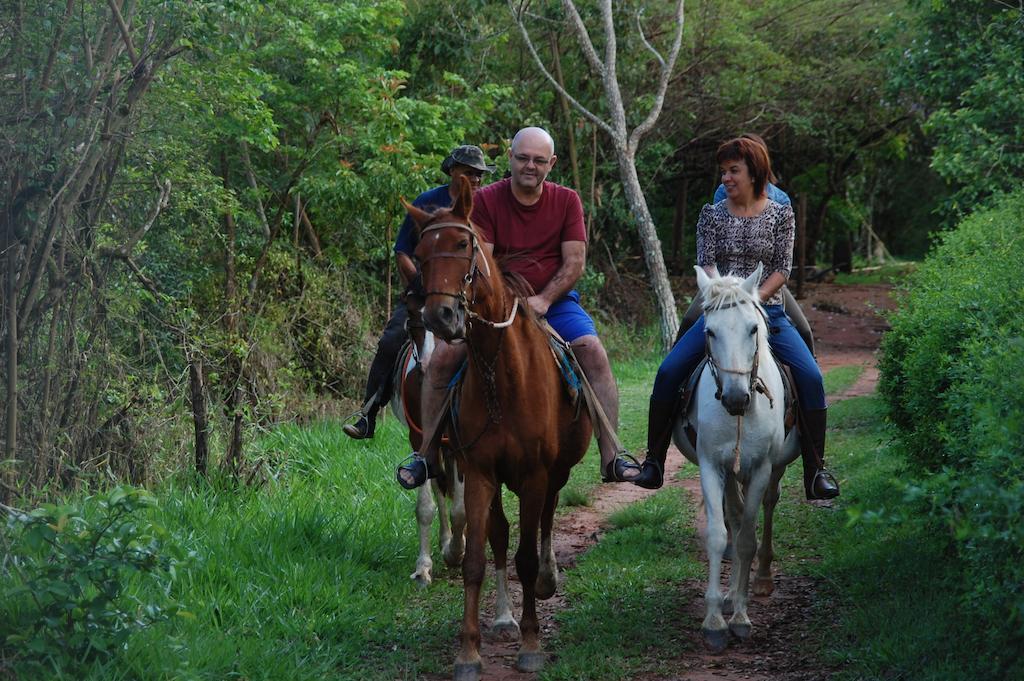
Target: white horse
{"points": [[738, 411]]}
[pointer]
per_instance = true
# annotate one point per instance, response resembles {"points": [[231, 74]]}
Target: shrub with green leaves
{"points": [[65, 590], [953, 379]]}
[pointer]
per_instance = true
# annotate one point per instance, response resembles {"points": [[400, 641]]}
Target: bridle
{"points": [[463, 300], [756, 383], [487, 366]]}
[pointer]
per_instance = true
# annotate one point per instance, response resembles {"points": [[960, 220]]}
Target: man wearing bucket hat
{"points": [[464, 161]]}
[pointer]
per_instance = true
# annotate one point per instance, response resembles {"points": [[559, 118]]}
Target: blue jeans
{"points": [[784, 340]]}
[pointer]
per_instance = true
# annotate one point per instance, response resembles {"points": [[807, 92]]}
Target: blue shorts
{"points": [[569, 319]]}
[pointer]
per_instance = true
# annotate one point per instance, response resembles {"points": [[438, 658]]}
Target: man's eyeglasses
{"points": [[538, 161]]}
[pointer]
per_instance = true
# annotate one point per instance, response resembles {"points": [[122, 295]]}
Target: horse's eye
{"points": [[753, 330], [711, 334], [463, 244]]}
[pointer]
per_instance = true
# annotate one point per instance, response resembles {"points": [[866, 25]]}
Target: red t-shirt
{"points": [[529, 238]]}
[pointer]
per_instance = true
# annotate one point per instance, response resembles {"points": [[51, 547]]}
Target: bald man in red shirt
{"points": [[536, 227]]}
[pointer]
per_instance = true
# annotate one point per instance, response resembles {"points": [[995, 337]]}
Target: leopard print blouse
{"points": [[735, 245]]}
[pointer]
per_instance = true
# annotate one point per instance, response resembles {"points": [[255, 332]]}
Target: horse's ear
{"points": [[463, 204], [751, 283], [418, 215], [702, 278]]}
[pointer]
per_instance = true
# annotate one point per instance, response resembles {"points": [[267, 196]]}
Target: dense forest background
{"points": [[198, 199]]}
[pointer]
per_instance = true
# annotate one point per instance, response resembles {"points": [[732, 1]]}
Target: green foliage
{"points": [[953, 378], [964, 67], [66, 602]]}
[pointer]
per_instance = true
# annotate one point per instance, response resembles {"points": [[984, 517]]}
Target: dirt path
{"points": [[847, 331]]}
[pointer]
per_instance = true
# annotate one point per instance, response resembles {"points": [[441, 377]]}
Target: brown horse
{"points": [[444, 497], [516, 424]]}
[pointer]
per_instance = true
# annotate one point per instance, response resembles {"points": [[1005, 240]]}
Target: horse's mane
{"points": [[726, 291]]}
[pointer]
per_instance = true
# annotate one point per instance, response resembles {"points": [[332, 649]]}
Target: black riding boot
{"points": [[818, 482], [661, 418]]}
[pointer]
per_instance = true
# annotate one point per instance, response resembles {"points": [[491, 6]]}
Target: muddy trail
{"points": [[847, 330]]}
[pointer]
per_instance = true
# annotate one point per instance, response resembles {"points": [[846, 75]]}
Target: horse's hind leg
{"points": [[504, 624], [456, 546], [733, 521], [444, 528], [547, 578], [531, 504], [763, 584], [425, 511]]}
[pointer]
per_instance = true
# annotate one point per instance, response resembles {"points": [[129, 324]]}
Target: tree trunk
{"points": [[199, 421], [679, 221], [570, 134], [233, 404], [11, 432], [652, 248]]}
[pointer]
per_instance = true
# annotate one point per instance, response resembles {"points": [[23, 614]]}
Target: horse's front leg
{"points": [[745, 546], [763, 584], [504, 624], [531, 504], [714, 628], [479, 493], [455, 548], [425, 511]]}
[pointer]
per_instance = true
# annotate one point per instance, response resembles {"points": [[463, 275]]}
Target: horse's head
{"points": [[735, 331], [449, 256]]}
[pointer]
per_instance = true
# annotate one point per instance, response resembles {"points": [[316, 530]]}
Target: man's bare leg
{"points": [[444, 361], [594, 360]]}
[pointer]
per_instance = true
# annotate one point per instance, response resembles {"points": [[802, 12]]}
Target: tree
{"points": [[625, 142], [963, 72], [76, 78]]}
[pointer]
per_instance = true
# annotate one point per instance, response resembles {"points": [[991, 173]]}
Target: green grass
{"points": [[306, 576], [889, 273], [841, 378], [623, 590]]}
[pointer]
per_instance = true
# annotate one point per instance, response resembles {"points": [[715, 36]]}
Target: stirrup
{"points": [[617, 466], [362, 429], [415, 465]]}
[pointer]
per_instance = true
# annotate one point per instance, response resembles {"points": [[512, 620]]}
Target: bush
{"points": [[953, 380], [64, 597]]}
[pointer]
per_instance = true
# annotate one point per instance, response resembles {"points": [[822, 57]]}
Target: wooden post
{"points": [[801, 255]]}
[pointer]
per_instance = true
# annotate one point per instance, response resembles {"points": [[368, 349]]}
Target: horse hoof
{"points": [[530, 662], [763, 586], [740, 631], [545, 588], [506, 630], [468, 671], [716, 640], [422, 579], [453, 555]]}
